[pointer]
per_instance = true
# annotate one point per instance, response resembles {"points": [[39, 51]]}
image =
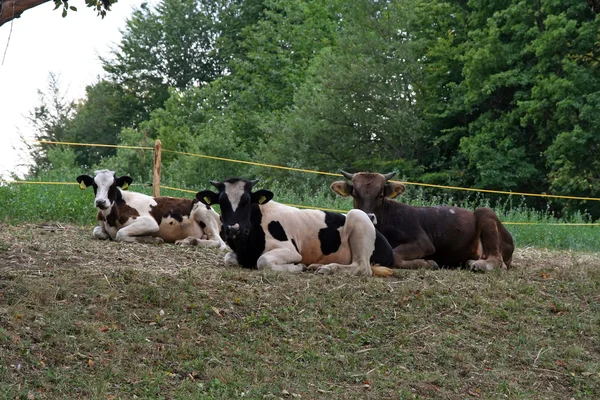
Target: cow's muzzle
{"points": [[101, 204], [232, 231]]}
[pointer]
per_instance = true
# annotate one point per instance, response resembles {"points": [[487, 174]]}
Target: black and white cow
{"points": [[135, 217], [266, 234]]}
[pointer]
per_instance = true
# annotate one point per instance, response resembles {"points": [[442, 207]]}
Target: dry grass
{"points": [[81, 318]]}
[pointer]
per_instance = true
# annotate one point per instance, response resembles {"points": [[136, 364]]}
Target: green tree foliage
{"points": [[169, 45], [493, 94], [358, 107], [107, 110], [49, 121]]}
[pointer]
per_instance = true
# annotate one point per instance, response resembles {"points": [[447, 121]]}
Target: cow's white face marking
{"points": [[104, 179], [451, 211], [234, 192]]}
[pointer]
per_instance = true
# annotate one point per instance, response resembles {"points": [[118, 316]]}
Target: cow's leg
{"points": [[507, 245], [140, 230], [100, 233], [208, 219], [231, 259], [411, 255], [281, 259], [360, 233], [487, 227], [194, 241]]}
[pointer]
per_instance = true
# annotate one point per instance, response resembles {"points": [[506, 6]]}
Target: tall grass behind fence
{"points": [[66, 203]]}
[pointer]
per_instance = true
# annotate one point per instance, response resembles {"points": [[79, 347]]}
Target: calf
{"points": [[135, 217], [425, 237], [266, 234]]}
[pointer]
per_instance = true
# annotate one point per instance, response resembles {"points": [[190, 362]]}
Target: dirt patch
{"points": [[56, 246]]}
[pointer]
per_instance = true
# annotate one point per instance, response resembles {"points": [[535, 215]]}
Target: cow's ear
{"points": [[394, 189], [342, 188], [262, 196], [123, 182], [85, 181], [207, 197]]}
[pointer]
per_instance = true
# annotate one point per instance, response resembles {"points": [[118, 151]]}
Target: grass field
{"points": [[87, 319]]}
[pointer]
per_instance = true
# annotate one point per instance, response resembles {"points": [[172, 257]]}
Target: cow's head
{"points": [[368, 189], [105, 186], [236, 199]]}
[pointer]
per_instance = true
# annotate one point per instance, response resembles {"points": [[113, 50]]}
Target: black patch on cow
{"points": [[176, 216], [202, 225], [251, 244], [330, 236], [295, 245], [383, 254], [277, 231]]}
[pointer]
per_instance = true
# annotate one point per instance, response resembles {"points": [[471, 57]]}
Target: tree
{"points": [[49, 121], [11, 9], [170, 45], [358, 107], [107, 109], [509, 92]]}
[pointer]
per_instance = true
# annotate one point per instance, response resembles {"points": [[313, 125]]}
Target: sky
{"points": [[42, 41]]}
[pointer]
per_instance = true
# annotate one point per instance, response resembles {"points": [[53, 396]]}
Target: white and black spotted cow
{"points": [[135, 217], [266, 234]]}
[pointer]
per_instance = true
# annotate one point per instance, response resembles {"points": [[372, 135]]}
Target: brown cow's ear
{"points": [[342, 188], [394, 189]]}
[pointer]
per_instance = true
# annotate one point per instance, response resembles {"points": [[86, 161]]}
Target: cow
{"points": [[135, 217], [265, 234], [429, 237]]}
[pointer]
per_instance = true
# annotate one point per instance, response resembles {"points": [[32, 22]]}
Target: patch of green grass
{"points": [[23, 203], [76, 322]]}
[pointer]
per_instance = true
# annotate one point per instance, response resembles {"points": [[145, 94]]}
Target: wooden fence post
{"points": [[157, 160]]}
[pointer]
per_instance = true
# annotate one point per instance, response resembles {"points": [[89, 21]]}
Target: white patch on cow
{"points": [[234, 192], [451, 211], [141, 202], [104, 180]]}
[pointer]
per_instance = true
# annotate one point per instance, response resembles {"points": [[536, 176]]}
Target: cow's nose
{"points": [[234, 229], [100, 204]]}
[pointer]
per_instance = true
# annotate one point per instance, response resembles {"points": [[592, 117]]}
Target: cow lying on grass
{"points": [[135, 217], [266, 234], [426, 237]]}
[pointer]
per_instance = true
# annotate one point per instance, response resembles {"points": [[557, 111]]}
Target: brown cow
{"points": [[428, 237]]}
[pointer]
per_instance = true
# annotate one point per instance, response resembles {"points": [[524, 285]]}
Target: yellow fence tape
{"points": [[312, 172], [322, 172]]}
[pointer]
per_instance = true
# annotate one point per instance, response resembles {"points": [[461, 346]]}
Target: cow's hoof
{"points": [[313, 267], [433, 264], [158, 240], [188, 241], [479, 266], [324, 270]]}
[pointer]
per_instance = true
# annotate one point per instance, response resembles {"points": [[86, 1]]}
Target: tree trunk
{"points": [[10, 9]]}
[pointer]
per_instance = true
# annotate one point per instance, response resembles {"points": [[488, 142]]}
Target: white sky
{"points": [[41, 42]]}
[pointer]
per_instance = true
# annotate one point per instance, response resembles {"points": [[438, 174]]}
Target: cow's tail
{"points": [[381, 271]]}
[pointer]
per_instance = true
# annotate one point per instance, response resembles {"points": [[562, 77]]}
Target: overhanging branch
{"points": [[10, 9]]}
